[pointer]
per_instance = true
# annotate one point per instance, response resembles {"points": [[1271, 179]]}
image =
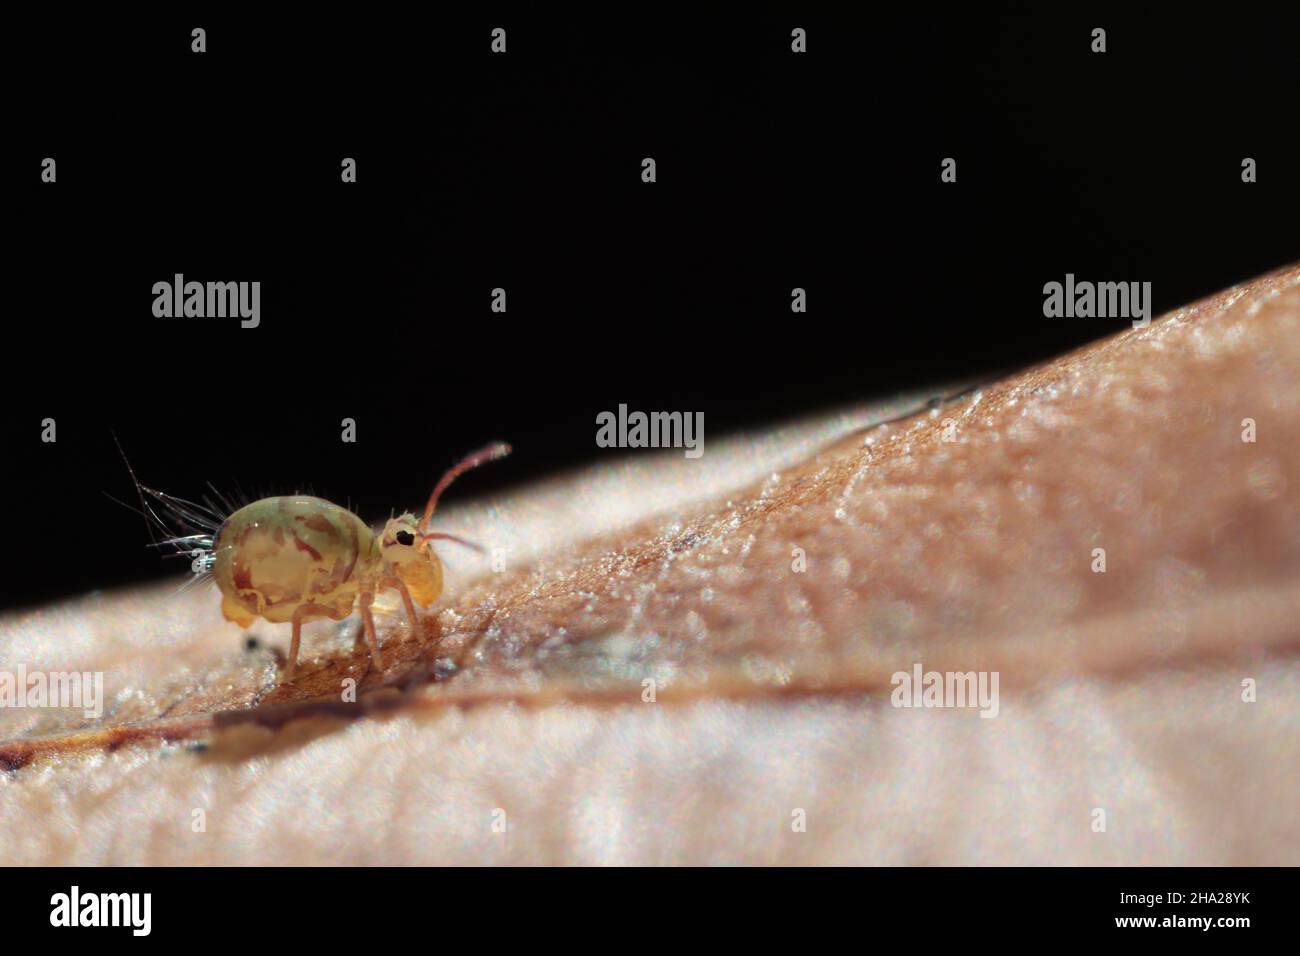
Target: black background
{"points": [[522, 171]]}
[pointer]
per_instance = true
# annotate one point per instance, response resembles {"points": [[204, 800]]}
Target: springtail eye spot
{"points": [[405, 537]]}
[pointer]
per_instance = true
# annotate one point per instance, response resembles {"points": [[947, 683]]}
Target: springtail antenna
{"points": [[441, 536], [481, 457]]}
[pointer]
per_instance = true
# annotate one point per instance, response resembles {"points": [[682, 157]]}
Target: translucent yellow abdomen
{"points": [[277, 554]]}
